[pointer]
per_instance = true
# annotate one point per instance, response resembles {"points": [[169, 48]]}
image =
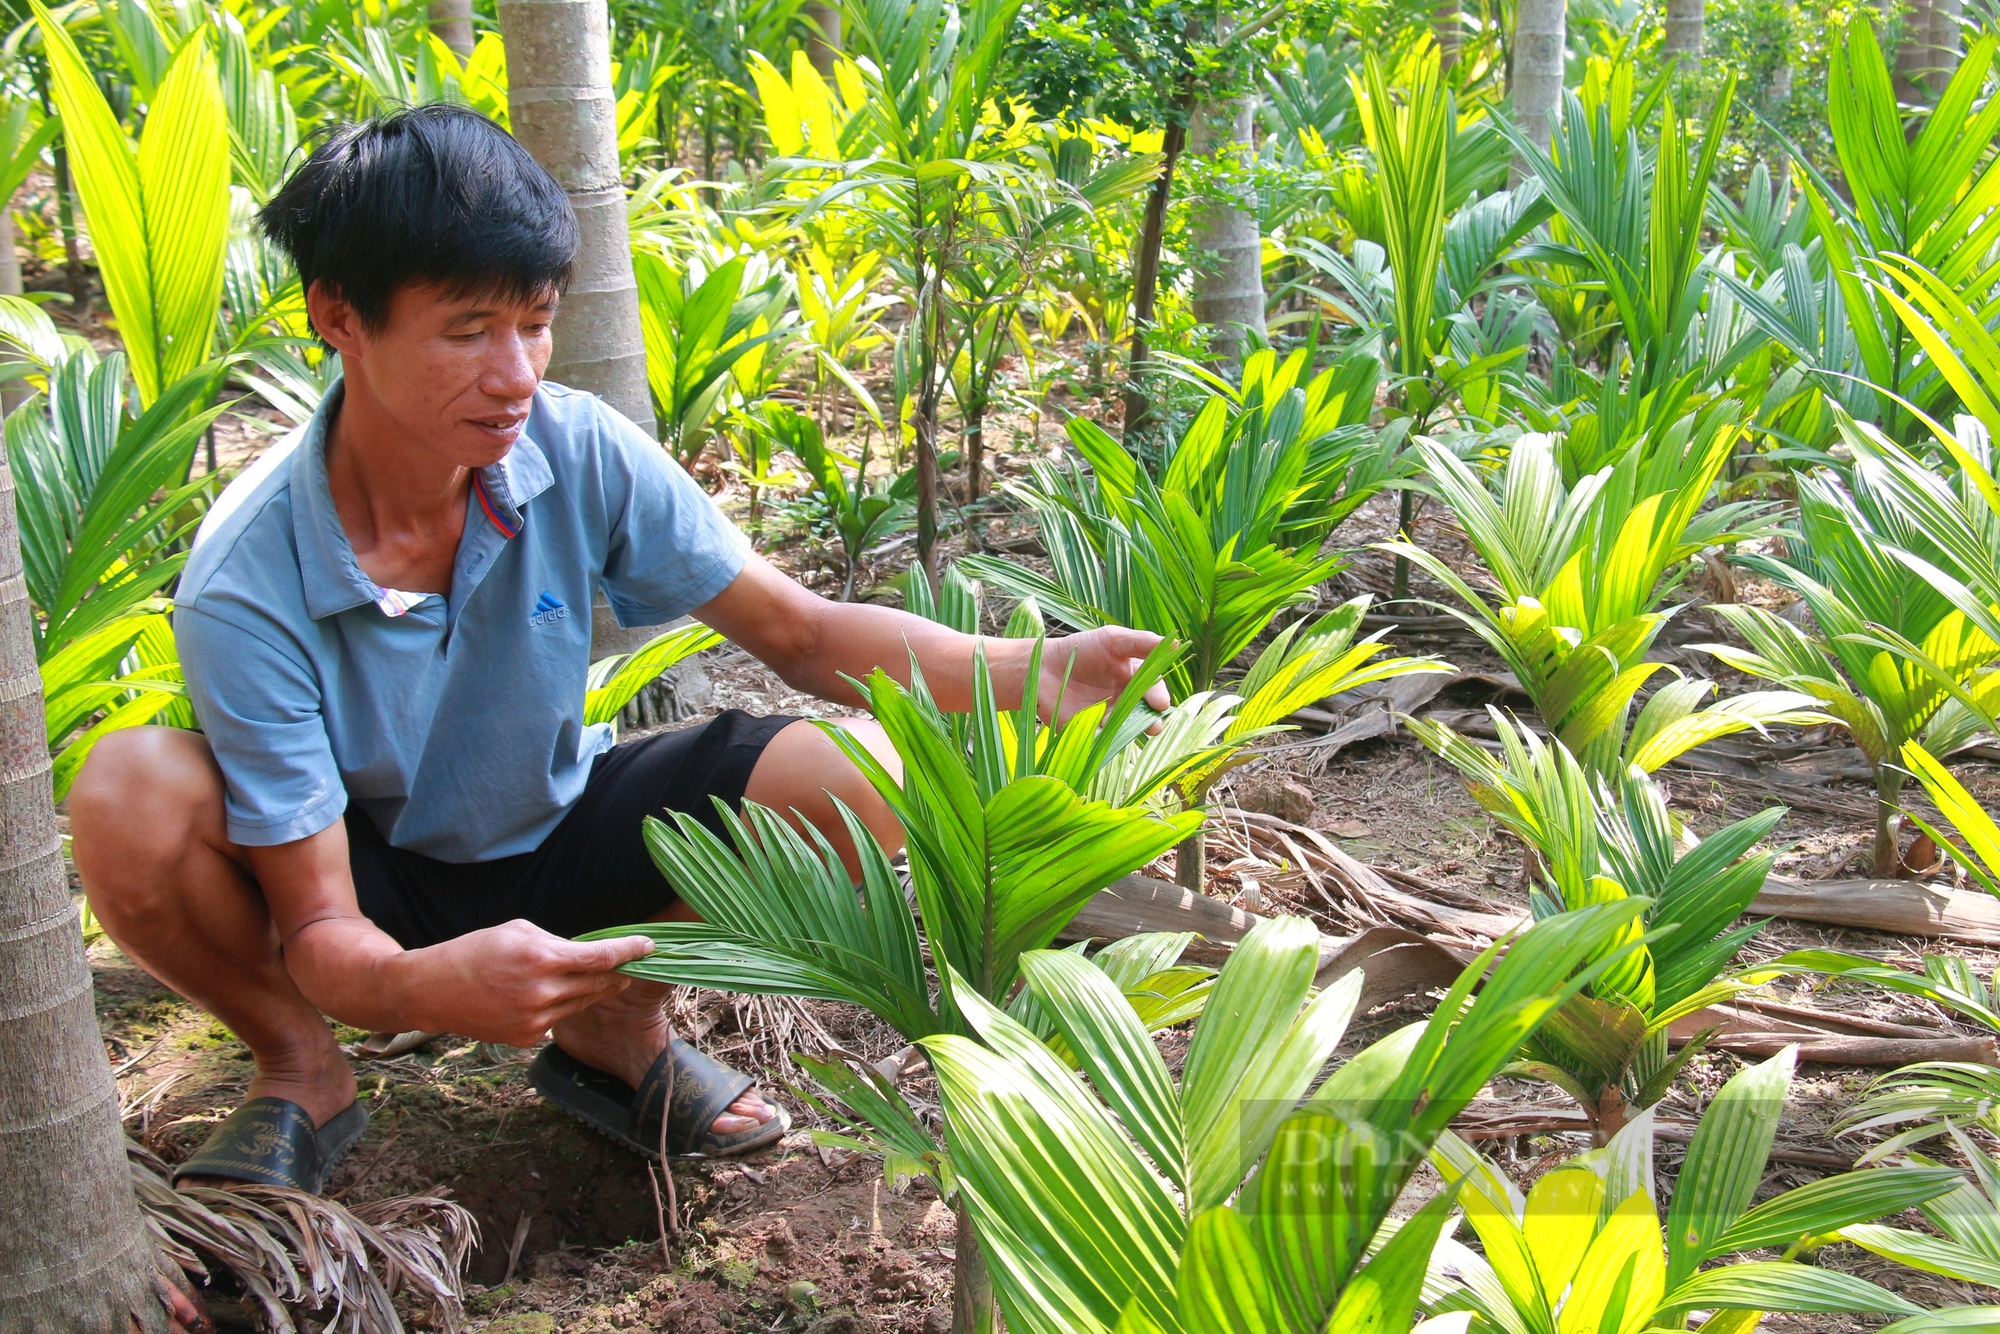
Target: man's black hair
{"points": [[433, 194]]}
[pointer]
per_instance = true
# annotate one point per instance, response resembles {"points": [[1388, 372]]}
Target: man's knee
{"points": [[142, 796], [854, 789], [803, 767]]}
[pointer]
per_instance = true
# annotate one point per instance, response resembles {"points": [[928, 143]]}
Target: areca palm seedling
{"points": [[696, 329], [1957, 513], [1227, 1200], [158, 209], [1005, 846], [1917, 192], [1218, 547], [920, 165], [860, 510], [1229, 534], [1925, 1096], [1048, 194], [1584, 1248], [1631, 219], [1594, 842], [105, 508], [1968, 1218], [1842, 565], [1578, 576]]}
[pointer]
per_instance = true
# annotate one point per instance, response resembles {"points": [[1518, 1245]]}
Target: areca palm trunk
{"points": [[73, 1255], [1448, 26], [564, 111], [451, 21], [1146, 272], [1928, 53], [1684, 30], [14, 392], [1536, 80], [823, 42], [1229, 285]]}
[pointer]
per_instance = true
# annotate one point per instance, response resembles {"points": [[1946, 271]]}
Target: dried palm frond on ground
{"points": [[297, 1252]]}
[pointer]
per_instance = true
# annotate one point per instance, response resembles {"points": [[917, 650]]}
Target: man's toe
{"points": [[746, 1113]]}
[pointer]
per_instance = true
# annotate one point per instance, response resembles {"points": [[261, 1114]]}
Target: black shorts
{"points": [[593, 869]]}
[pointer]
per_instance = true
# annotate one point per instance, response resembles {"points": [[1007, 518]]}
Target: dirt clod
{"points": [[1276, 794]]}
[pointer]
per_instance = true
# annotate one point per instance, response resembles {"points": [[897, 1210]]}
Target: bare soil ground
{"points": [[576, 1237]]}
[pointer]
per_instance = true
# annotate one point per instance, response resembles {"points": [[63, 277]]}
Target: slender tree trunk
{"points": [[972, 1287], [974, 433], [451, 21], [823, 43], [1146, 273], [1684, 31], [1536, 80], [79, 286], [1191, 862], [1947, 40], [1928, 53], [1229, 286], [1448, 26], [73, 1253], [564, 112], [925, 423], [14, 392], [65, 207], [1887, 860]]}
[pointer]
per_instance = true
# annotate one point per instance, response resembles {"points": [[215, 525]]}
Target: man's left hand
{"points": [[1099, 664]]}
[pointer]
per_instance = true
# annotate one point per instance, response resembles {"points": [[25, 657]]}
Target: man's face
{"points": [[455, 374]]}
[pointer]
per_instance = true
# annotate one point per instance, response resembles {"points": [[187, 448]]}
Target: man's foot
{"points": [[625, 1034], [673, 1109], [273, 1142], [325, 1089], [321, 1082]]}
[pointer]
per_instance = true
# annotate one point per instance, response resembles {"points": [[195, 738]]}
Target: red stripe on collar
{"points": [[492, 514]]}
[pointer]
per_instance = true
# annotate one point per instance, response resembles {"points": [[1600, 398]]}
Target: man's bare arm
{"points": [[508, 983], [814, 644]]}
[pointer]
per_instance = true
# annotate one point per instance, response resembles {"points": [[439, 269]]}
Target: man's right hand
{"points": [[509, 983], [506, 983]]}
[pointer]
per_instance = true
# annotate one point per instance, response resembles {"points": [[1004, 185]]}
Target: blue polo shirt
{"points": [[455, 723]]}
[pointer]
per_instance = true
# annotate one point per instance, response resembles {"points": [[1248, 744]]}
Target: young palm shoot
{"points": [[1968, 1217], [1226, 538], [1846, 571], [1223, 1202], [1578, 577], [1594, 843], [1218, 547], [696, 330], [861, 512], [1005, 846], [1584, 1249], [617, 680], [1923, 1098]]}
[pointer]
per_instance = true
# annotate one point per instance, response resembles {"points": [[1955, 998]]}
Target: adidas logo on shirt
{"points": [[547, 609]]}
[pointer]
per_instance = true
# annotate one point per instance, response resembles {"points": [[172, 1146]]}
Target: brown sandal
{"points": [[702, 1089]]}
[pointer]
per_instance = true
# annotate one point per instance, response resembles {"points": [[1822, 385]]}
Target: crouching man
{"points": [[394, 813]]}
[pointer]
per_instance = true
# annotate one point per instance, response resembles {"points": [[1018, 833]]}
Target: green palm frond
{"points": [[1107, 1207], [1586, 1239], [1598, 842], [158, 211], [615, 681], [1224, 541], [1004, 846], [1578, 576]]}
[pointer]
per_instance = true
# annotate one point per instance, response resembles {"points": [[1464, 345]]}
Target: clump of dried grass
{"points": [[295, 1252]]}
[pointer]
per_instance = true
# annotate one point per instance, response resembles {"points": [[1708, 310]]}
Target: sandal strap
{"points": [[269, 1141], [702, 1089]]}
